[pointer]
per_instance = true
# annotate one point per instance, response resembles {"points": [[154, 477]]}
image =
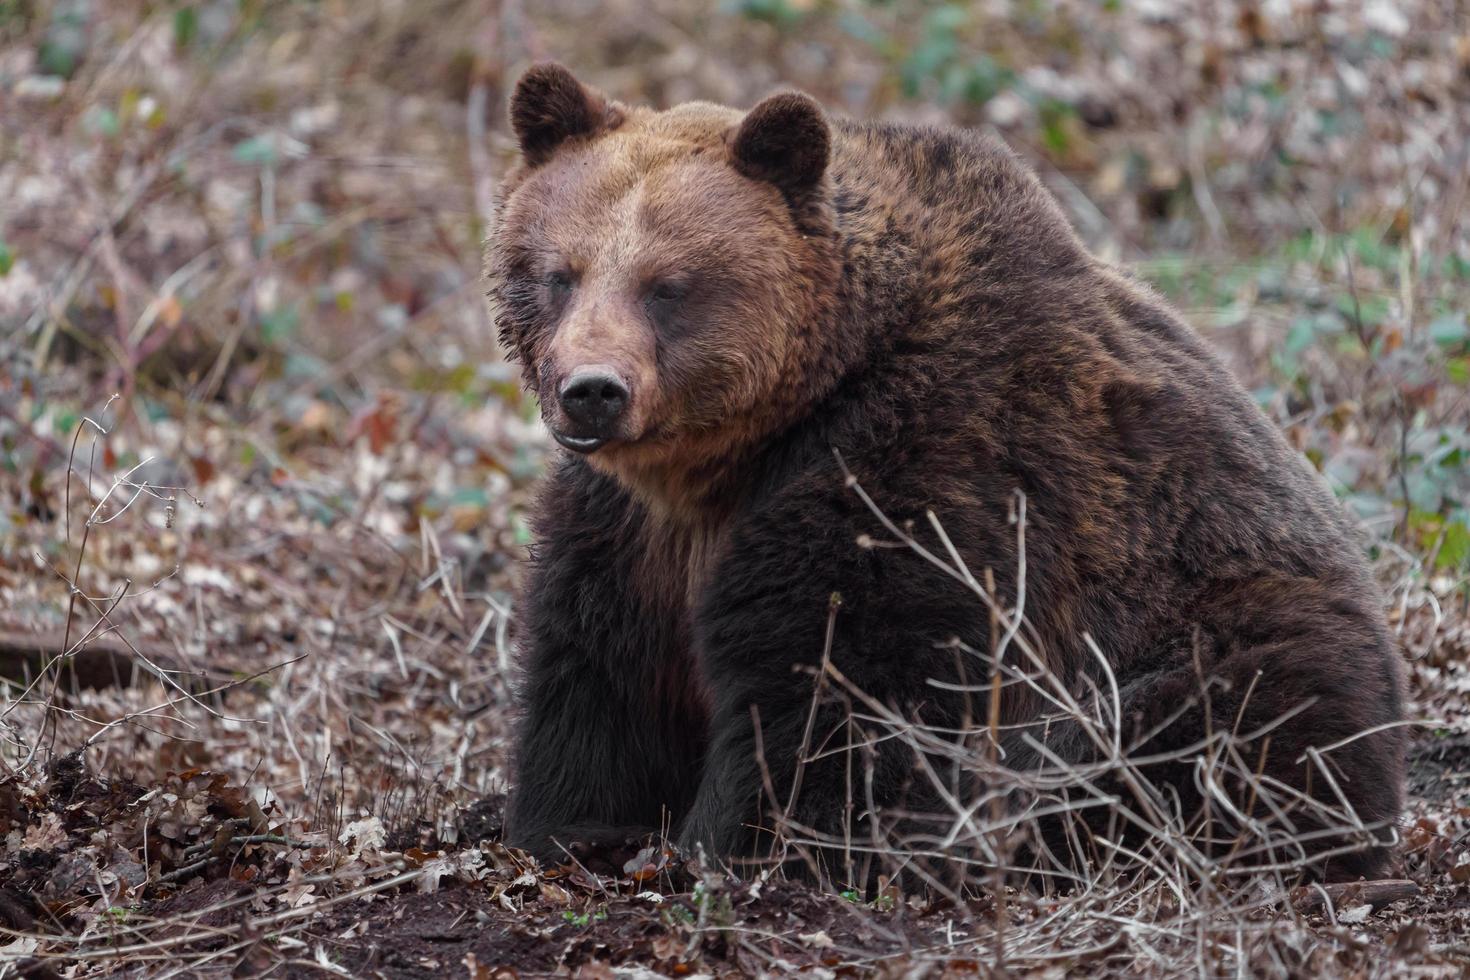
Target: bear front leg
{"points": [[610, 734], [732, 813], [803, 784], [791, 775], [591, 770]]}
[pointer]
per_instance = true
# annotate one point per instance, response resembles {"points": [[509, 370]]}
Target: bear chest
{"points": [[677, 565]]}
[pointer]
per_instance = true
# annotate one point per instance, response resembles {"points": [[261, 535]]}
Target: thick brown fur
{"points": [[778, 289]]}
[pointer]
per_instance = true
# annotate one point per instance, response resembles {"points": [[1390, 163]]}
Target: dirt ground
{"points": [[264, 476]]}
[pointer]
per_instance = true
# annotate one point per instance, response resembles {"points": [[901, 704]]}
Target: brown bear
{"points": [[722, 313]]}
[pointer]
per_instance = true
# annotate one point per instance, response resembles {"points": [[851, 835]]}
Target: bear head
{"points": [[666, 279]]}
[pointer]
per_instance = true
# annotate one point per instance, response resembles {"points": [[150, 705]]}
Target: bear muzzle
{"points": [[593, 401]]}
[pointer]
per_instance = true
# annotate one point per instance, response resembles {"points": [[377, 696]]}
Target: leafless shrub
{"points": [[1185, 900], [30, 715]]}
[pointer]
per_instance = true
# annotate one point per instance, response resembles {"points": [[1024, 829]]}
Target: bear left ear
{"points": [[784, 141], [549, 107]]}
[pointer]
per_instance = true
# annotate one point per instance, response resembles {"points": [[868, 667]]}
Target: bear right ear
{"points": [[549, 107], [784, 141]]}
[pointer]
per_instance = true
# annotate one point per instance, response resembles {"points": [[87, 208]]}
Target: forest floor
{"points": [[264, 476]]}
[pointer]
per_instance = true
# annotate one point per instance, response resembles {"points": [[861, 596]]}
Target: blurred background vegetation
{"points": [[259, 220]]}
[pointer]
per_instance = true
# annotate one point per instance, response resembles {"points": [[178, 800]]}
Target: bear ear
{"points": [[549, 107], [784, 141]]}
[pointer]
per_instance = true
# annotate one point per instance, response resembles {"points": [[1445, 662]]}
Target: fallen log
{"points": [[104, 661], [1348, 894]]}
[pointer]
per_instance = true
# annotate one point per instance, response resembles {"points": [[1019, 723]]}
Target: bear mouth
{"points": [[579, 444]]}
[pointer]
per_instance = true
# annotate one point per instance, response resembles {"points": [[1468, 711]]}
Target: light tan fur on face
{"points": [[601, 332]]}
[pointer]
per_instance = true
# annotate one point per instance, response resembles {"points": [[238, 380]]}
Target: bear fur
{"points": [[783, 298]]}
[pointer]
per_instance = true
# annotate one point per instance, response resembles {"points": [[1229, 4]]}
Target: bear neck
{"points": [[697, 486]]}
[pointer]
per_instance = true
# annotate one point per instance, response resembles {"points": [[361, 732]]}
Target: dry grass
{"points": [[255, 609]]}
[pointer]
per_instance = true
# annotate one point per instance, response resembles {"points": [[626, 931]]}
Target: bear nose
{"points": [[594, 399]]}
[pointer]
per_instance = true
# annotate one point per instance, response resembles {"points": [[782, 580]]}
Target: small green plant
{"points": [[278, 325], [943, 66], [581, 919], [781, 13], [186, 26], [678, 915], [64, 45], [1058, 123]]}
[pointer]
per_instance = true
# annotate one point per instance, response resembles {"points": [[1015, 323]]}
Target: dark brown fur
{"points": [[912, 299]]}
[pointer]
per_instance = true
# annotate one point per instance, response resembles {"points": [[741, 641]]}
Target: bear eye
{"points": [[559, 283], [665, 293]]}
